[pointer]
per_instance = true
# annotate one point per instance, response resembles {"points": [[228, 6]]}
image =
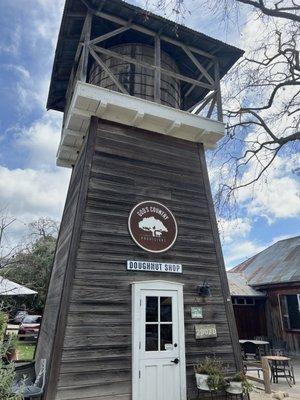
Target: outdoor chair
{"points": [[251, 351], [279, 348], [28, 383], [261, 338], [251, 357]]}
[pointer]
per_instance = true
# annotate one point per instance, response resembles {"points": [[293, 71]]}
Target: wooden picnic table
{"points": [[261, 346], [257, 342]]}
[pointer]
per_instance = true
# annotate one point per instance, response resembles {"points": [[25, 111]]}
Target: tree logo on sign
{"points": [[155, 226], [152, 226]]}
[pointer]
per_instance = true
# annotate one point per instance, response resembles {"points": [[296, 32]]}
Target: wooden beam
{"points": [[152, 67], [233, 335], [157, 79], [85, 52], [110, 34], [266, 374], [77, 58], [74, 14], [211, 108], [199, 78], [108, 71], [149, 32], [198, 64], [219, 96], [205, 101]]}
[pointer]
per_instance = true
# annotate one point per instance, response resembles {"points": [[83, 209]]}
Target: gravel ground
{"points": [[281, 387]]}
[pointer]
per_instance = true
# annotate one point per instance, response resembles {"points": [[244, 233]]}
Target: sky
{"points": [[31, 186]]}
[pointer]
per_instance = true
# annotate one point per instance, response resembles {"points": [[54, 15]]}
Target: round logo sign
{"points": [[152, 226]]}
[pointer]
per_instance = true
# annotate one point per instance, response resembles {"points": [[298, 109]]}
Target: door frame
{"points": [[137, 288]]}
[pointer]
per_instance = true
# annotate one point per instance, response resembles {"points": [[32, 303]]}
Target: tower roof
{"points": [[69, 36]]}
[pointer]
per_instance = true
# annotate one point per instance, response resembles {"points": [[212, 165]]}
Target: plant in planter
{"points": [[10, 348], [238, 384], [209, 374]]}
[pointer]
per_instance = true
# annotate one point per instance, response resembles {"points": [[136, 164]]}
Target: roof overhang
{"points": [[89, 100]]}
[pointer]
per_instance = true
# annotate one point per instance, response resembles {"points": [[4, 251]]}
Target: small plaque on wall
{"points": [[205, 331], [196, 312]]}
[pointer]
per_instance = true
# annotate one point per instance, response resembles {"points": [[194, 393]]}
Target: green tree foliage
{"points": [[31, 268], [30, 264]]}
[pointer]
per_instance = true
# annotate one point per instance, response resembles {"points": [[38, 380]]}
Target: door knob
{"points": [[176, 361]]}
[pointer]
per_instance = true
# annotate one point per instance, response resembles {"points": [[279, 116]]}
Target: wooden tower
{"points": [[138, 292]]}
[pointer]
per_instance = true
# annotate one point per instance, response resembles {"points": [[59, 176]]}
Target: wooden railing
{"points": [[262, 365]]}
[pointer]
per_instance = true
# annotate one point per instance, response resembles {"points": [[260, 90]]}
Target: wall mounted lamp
{"points": [[204, 290]]}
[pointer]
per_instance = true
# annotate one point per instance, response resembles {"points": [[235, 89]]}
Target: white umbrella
{"points": [[9, 288]]}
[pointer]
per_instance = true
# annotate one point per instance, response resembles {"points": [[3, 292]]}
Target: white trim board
{"points": [[90, 100]]}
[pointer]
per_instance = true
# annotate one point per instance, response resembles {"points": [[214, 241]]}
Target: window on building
{"points": [[243, 301], [290, 311]]}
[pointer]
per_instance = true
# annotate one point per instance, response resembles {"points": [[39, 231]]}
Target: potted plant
{"points": [[209, 374], [11, 353], [238, 384]]}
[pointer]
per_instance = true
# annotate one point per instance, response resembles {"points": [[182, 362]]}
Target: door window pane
{"points": [[166, 309], [151, 309], [166, 335], [151, 337]]}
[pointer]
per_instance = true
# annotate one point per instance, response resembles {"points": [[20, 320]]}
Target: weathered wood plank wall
{"points": [[251, 320], [55, 288], [57, 304], [276, 331], [127, 166]]}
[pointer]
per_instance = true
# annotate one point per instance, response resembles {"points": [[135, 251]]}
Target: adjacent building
{"points": [[265, 293]]}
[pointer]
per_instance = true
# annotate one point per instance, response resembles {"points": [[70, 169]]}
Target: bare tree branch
{"points": [[274, 12]]}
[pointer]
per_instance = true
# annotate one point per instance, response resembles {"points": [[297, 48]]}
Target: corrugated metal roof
{"points": [[279, 263], [10, 288], [238, 286]]}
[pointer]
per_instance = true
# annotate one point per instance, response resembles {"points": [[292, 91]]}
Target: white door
{"points": [[159, 354]]}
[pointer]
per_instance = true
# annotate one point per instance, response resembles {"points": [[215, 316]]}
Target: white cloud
{"points": [[277, 195], [39, 189], [41, 140], [30, 193], [240, 251], [19, 69], [233, 229], [10, 43]]}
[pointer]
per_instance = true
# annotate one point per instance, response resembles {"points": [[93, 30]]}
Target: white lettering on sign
{"points": [[205, 331], [151, 266]]}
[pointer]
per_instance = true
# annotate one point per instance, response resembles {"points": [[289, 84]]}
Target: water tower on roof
{"points": [[138, 292], [117, 46]]}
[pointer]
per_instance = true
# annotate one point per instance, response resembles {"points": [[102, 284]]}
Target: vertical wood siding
{"points": [[275, 328], [129, 166]]}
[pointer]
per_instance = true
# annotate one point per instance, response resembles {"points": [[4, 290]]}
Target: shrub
{"points": [[3, 323], [7, 371]]}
